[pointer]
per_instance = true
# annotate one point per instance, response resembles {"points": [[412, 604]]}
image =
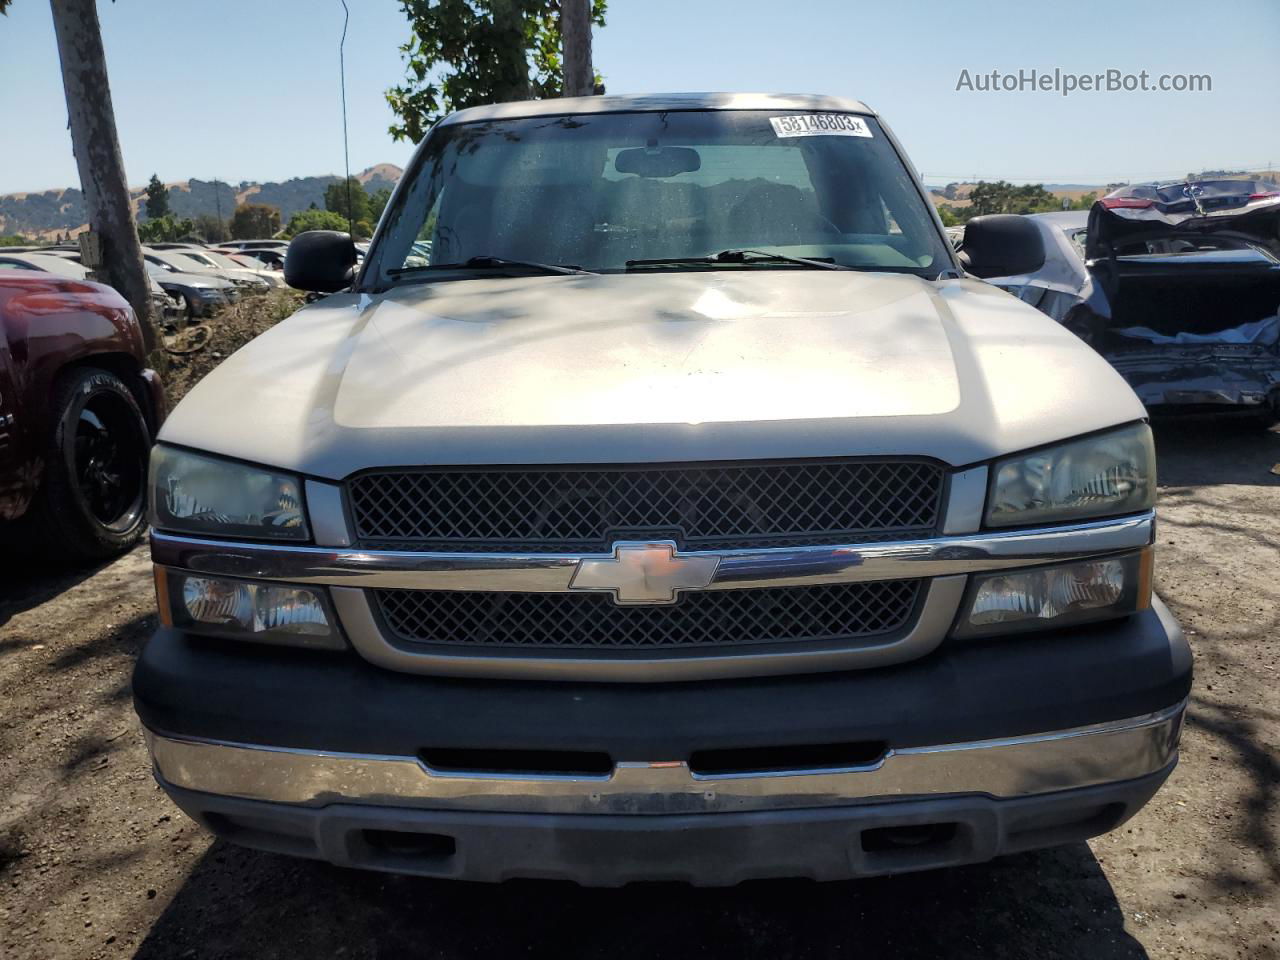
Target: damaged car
{"points": [[1176, 285]]}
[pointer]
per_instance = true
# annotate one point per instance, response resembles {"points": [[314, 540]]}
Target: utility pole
{"points": [[575, 30], [97, 152]]}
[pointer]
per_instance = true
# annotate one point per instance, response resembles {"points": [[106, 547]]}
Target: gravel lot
{"points": [[95, 861]]}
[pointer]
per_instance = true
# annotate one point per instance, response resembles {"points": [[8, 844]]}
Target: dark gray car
{"points": [[201, 296], [1177, 285]]}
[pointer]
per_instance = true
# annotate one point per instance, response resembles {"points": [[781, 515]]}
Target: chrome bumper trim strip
{"points": [[1004, 768], [552, 573]]}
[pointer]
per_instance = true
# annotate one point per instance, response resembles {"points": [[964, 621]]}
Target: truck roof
{"points": [[652, 102]]}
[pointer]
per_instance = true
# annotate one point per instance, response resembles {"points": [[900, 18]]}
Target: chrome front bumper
{"points": [[1005, 768]]}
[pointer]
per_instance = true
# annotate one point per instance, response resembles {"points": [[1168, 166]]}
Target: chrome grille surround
{"points": [[710, 506], [701, 619], [353, 575]]}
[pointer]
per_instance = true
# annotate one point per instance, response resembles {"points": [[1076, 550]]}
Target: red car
{"points": [[78, 409]]}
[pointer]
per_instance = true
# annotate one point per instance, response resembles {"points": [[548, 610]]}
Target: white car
{"points": [[220, 262], [257, 259], [193, 262], [280, 245]]}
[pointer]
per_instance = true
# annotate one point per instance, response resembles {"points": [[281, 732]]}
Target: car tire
{"points": [[92, 501]]}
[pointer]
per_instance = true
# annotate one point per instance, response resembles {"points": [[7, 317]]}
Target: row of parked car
{"points": [[189, 281]]}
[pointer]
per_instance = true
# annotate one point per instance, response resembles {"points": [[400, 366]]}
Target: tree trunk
{"points": [[575, 29], [97, 151], [512, 80]]}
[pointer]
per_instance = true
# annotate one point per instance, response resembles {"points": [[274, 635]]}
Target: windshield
{"points": [[601, 191]]}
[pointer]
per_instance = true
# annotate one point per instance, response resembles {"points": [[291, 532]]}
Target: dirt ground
{"points": [[235, 326], [95, 861]]}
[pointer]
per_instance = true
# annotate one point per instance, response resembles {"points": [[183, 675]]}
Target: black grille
{"points": [[715, 618], [707, 506]]}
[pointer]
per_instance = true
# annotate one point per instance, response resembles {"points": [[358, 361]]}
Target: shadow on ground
{"points": [[241, 903], [1210, 452], [27, 582]]}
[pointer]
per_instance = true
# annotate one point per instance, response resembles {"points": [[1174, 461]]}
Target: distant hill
{"points": [[44, 215], [380, 175]]}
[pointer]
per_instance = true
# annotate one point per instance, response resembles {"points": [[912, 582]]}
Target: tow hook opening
{"points": [[919, 837], [422, 847], [789, 758]]}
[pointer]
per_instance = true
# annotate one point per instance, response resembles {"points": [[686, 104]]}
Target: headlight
{"points": [[244, 610], [1044, 598], [1104, 475], [193, 493]]}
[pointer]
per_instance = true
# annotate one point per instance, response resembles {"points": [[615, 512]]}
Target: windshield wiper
{"points": [[489, 263], [741, 256]]}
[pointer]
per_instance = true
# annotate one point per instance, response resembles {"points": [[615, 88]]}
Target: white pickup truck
{"points": [[659, 499]]}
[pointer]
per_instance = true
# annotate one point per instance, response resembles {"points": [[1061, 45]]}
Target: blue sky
{"points": [[244, 90]]}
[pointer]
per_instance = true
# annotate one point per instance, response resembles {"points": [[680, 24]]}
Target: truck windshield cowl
{"points": [[603, 191]]}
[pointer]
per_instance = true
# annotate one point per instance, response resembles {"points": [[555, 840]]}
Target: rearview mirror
{"points": [[657, 161], [1002, 245], [321, 261]]}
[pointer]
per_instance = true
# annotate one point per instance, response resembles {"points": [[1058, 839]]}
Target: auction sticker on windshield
{"points": [[820, 125]]}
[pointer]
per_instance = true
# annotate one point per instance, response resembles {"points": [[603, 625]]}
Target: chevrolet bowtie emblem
{"points": [[644, 573]]}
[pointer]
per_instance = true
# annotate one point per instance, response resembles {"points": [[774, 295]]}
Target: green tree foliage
{"points": [[950, 216], [377, 203], [336, 199], [1004, 197], [315, 220], [466, 52], [17, 240], [165, 229], [157, 199], [254, 220], [212, 228]]}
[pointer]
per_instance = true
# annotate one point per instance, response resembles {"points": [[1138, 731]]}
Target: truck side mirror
{"points": [[322, 261], [1002, 245]]}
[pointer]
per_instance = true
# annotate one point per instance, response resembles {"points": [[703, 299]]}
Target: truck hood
{"points": [[665, 366]]}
